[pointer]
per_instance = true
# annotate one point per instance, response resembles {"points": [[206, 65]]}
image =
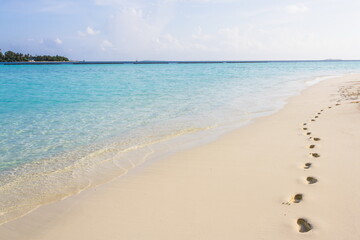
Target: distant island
{"points": [[10, 56]]}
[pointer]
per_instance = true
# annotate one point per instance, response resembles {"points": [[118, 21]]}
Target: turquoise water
{"points": [[66, 127]]}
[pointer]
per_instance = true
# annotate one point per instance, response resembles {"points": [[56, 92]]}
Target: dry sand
{"points": [[241, 186]]}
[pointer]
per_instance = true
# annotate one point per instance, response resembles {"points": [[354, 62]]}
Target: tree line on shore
{"points": [[10, 56]]}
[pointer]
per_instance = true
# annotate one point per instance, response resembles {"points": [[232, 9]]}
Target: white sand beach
{"points": [[241, 186]]}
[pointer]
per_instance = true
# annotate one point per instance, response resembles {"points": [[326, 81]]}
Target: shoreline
{"points": [[119, 163], [189, 173]]}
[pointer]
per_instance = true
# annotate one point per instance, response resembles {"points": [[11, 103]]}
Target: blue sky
{"points": [[182, 29]]}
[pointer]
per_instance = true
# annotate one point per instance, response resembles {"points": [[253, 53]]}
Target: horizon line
{"points": [[167, 62]]}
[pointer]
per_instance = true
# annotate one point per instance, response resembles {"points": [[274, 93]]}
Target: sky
{"points": [[182, 29]]}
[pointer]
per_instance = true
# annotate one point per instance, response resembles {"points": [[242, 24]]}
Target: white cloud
{"points": [[297, 8], [58, 41], [132, 30], [88, 32], [167, 29], [106, 44], [241, 39], [200, 35], [91, 31]]}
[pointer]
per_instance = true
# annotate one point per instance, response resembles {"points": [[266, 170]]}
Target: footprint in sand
{"points": [[319, 113], [294, 199], [337, 104], [304, 124], [304, 225], [315, 155], [307, 165], [305, 129], [308, 133], [311, 180], [329, 107], [312, 146], [316, 116], [321, 110], [316, 139], [313, 120]]}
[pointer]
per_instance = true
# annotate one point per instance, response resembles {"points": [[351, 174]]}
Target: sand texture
{"points": [[291, 175]]}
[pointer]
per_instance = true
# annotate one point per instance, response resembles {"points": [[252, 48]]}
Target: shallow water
{"points": [[66, 127]]}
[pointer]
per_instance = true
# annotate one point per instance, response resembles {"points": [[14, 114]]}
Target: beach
{"points": [[251, 183]]}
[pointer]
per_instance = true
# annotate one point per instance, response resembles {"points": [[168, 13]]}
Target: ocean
{"points": [[65, 128]]}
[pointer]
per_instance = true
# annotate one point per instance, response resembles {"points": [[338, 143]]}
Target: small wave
{"points": [[319, 79], [44, 181]]}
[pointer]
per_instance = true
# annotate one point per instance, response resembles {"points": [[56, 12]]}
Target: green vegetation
{"points": [[10, 56]]}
